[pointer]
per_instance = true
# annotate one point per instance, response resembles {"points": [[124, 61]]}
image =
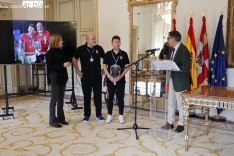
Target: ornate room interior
{"points": [[143, 25]]}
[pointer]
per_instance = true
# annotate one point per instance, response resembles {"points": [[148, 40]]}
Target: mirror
{"points": [[5, 11], [150, 22], [230, 35]]}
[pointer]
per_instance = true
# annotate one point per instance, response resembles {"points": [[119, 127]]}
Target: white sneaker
{"points": [[121, 119], [109, 119]]}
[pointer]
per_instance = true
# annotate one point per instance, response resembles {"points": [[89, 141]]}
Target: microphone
{"points": [[152, 50]]}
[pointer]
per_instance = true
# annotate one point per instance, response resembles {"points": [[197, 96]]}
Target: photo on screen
{"points": [[31, 39], [26, 42]]}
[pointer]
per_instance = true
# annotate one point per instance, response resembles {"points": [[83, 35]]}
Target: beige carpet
{"points": [[29, 134]]}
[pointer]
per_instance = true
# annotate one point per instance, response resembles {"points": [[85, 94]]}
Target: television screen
{"points": [[6, 43], [28, 41]]}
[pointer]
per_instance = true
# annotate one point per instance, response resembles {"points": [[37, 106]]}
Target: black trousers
{"points": [[57, 97], [119, 88], [87, 86]]}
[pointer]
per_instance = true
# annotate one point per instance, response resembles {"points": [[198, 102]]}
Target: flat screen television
{"points": [[26, 42]]}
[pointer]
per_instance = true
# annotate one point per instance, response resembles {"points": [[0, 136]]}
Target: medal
{"points": [[91, 57]]}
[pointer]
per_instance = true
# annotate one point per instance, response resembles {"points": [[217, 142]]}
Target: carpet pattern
{"points": [[29, 134]]}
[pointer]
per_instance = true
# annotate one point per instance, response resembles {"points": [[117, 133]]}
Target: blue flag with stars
{"points": [[217, 73]]}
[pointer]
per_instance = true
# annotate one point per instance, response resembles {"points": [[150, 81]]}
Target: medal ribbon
{"points": [[90, 52], [116, 60]]}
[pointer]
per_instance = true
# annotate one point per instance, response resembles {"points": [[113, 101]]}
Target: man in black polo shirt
{"points": [[119, 58], [90, 74]]}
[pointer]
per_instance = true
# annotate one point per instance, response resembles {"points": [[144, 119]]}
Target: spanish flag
{"points": [[190, 44]]}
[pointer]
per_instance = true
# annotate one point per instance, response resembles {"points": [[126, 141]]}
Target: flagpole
{"points": [[191, 107], [218, 74], [201, 115]]}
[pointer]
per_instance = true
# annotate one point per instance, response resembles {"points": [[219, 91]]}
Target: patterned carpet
{"points": [[29, 134]]}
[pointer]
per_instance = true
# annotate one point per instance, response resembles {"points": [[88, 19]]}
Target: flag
{"points": [[190, 44], [174, 24], [202, 60], [217, 72]]}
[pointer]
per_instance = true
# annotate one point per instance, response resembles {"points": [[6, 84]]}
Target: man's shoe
{"points": [[109, 119], [100, 118], [167, 126], [179, 129], [86, 119], [57, 126], [64, 123], [121, 119]]}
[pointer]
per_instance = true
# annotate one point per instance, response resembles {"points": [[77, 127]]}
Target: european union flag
{"points": [[217, 73]]}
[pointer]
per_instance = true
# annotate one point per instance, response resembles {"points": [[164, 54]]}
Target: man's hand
{"points": [[112, 79], [118, 78], [79, 73]]}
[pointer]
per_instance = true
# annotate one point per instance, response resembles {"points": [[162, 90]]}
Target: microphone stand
{"points": [[135, 126], [73, 101]]}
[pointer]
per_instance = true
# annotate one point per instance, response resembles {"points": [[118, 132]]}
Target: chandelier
{"points": [[163, 8]]}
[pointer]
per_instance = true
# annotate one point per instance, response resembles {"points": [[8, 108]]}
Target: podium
{"points": [[155, 128]]}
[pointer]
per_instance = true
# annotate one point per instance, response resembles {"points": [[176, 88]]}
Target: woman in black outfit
{"points": [[57, 76]]}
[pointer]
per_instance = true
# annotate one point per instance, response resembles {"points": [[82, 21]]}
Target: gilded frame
{"points": [[132, 3], [7, 6], [230, 35]]}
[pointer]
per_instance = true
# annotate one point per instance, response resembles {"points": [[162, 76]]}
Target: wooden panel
{"points": [[86, 15], [49, 11], [66, 11], [83, 39], [3, 13]]}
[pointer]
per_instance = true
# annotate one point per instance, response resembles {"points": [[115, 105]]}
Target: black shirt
{"points": [[55, 58], [122, 61], [166, 51], [90, 70]]}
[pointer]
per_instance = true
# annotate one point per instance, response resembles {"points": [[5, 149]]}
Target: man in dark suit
{"points": [[179, 81]]}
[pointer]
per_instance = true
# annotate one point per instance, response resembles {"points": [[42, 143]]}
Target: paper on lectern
{"points": [[165, 65]]}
